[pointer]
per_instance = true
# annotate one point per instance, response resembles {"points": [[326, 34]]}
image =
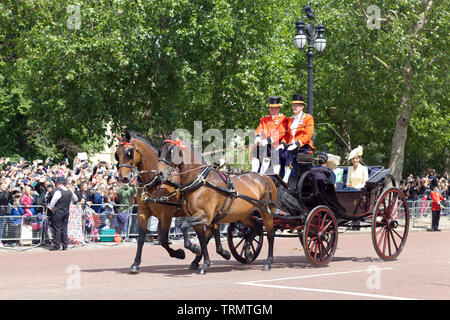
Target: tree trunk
{"points": [[399, 139], [405, 108]]}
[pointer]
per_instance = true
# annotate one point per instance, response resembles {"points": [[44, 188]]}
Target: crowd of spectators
{"points": [[418, 187], [418, 190], [26, 188], [25, 185]]}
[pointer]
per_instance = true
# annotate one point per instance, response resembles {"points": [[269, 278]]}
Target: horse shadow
{"points": [[220, 266]]}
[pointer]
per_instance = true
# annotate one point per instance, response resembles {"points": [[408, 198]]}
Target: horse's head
{"points": [[176, 156], [128, 158]]}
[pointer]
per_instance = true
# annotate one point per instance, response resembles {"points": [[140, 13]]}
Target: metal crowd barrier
{"points": [[20, 231], [420, 213], [22, 227], [105, 224]]}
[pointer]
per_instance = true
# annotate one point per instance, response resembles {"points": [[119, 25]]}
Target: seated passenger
{"points": [[269, 133], [329, 175], [358, 174], [332, 164]]}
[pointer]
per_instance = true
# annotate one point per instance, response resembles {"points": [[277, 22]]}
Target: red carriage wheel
{"points": [[390, 224], [320, 236], [244, 243]]}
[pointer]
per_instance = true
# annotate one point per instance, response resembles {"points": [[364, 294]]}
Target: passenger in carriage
{"points": [[269, 133], [297, 139], [333, 163], [328, 176], [357, 174]]}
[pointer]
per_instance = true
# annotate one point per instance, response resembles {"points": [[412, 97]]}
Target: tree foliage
{"points": [[154, 66]]}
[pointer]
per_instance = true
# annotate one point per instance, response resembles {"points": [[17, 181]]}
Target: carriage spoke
{"points": [[401, 238], [389, 241], [393, 240], [391, 204], [323, 221], [326, 227], [381, 237], [239, 243]]}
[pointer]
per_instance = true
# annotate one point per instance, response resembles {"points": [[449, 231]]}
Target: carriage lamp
{"points": [[314, 37]]}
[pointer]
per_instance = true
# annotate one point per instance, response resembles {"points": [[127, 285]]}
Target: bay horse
{"points": [[211, 197], [135, 152]]}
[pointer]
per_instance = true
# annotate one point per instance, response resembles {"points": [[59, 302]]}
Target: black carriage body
{"points": [[321, 210], [313, 191]]}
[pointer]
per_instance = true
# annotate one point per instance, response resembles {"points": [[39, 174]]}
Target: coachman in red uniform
{"points": [[270, 131]]}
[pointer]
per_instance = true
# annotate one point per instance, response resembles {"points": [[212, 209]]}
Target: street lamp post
{"points": [[313, 35]]}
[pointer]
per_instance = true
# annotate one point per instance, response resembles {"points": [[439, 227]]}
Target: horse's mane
{"points": [[142, 138]]}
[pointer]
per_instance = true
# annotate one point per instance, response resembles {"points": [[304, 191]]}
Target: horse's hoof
{"points": [[249, 257], [201, 271], [179, 254], [133, 270], [193, 266], [225, 254], [267, 267]]}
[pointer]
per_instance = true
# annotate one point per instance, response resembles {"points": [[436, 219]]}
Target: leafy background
{"points": [[154, 66]]}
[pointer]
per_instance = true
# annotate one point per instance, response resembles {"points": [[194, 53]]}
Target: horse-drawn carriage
{"points": [[322, 210], [248, 202]]}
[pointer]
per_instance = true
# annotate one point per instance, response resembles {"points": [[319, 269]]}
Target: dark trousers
{"points": [[60, 221], [435, 216]]}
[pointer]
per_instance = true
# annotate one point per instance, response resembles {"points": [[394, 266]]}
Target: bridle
{"points": [[129, 166]]}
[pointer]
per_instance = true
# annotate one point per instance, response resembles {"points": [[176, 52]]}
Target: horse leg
{"points": [[164, 237], [134, 269], [187, 241], [270, 237], [219, 248], [268, 222], [195, 263], [204, 246]]}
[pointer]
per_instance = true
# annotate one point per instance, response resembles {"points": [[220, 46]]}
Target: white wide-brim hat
{"points": [[355, 152], [334, 159]]}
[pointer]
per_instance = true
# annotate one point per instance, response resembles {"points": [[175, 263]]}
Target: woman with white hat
{"points": [[358, 173]]}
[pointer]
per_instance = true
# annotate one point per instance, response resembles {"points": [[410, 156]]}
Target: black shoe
{"points": [[64, 248], [54, 249]]}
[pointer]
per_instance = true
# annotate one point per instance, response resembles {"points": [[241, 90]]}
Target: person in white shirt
{"points": [[357, 174]]}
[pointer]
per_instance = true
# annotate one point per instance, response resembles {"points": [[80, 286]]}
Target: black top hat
{"points": [[60, 180], [275, 102], [298, 98]]}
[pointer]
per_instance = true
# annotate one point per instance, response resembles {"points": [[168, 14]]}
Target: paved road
{"points": [[421, 272]]}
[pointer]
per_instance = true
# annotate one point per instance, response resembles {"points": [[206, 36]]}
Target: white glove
{"points": [[258, 140], [280, 147], [264, 142], [298, 144]]}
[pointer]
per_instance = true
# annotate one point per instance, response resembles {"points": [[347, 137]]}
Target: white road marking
{"points": [[360, 294], [313, 275]]}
